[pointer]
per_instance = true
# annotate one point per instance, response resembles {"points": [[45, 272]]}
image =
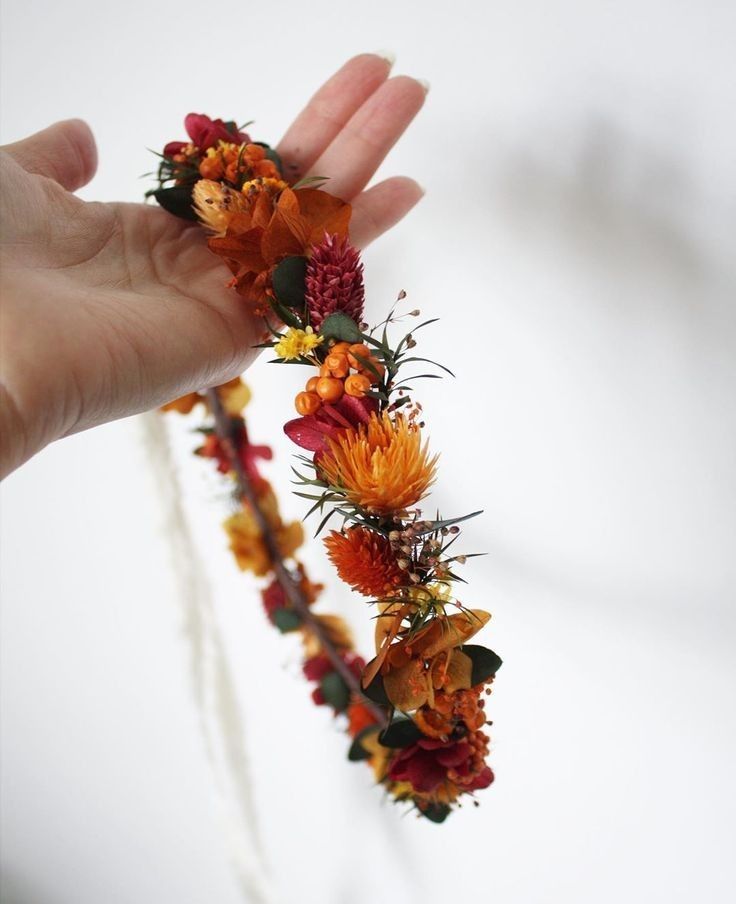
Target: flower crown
{"points": [[416, 711]]}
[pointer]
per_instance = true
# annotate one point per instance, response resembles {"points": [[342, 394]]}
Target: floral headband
{"points": [[416, 711]]}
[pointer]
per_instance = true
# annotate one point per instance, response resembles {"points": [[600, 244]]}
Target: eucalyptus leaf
{"points": [[400, 733], [377, 692], [485, 662], [176, 200], [288, 280], [335, 691], [286, 620], [341, 327], [435, 812], [357, 752]]}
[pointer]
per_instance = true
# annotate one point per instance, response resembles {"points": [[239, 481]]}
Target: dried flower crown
{"points": [[416, 711]]}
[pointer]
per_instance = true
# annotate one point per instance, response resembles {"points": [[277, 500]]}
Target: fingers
{"points": [[375, 211], [65, 152], [353, 157], [329, 110]]}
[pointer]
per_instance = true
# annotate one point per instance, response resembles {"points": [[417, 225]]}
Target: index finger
{"points": [[329, 110]]}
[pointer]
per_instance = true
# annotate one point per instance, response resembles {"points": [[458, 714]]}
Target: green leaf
{"points": [[289, 281], [377, 692], [341, 327], [435, 812], [176, 200], [485, 663], [285, 315], [400, 733], [335, 691], [357, 752], [286, 620]]}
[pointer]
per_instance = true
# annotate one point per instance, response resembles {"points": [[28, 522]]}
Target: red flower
{"points": [[428, 763], [213, 448], [313, 431], [205, 133]]}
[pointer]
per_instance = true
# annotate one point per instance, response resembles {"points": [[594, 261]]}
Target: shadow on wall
{"points": [[656, 251], [623, 206]]}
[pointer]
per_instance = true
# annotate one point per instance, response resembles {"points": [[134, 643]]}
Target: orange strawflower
{"points": [[382, 467], [274, 227], [365, 561]]}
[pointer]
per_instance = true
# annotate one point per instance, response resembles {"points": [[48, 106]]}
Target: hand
{"points": [[113, 309]]}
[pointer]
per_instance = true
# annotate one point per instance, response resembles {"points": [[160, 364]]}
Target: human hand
{"points": [[113, 309]]}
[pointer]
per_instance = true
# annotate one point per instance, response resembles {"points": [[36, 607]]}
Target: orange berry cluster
{"points": [[335, 378], [233, 161]]}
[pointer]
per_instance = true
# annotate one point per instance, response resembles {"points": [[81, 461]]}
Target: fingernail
{"points": [[424, 83], [387, 55]]}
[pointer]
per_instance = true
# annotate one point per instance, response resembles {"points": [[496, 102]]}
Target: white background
{"points": [[577, 239]]}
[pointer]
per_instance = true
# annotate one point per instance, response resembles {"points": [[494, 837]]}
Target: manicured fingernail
{"points": [[424, 83], [387, 55]]}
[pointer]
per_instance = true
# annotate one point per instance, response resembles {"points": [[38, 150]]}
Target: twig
{"points": [[227, 433]]}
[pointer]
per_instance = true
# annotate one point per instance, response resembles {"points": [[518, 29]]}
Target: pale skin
{"points": [[113, 309]]}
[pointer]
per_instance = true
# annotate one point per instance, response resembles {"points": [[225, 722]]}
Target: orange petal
{"points": [[456, 674], [446, 633], [407, 687]]}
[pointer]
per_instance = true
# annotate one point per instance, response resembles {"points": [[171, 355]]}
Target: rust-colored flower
{"points": [[275, 227], [383, 466], [365, 561]]}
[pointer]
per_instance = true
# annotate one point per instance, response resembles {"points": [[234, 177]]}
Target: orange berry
{"points": [[357, 385], [329, 389], [312, 384], [340, 348], [324, 371], [337, 364], [211, 168], [307, 403], [358, 349]]}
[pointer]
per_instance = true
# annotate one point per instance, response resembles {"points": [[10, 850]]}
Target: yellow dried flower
{"points": [[295, 343]]}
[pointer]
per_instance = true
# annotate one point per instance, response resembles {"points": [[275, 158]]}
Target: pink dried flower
{"points": [[334, 281]]}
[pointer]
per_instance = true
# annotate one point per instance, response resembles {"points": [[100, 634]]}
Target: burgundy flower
{"points": [[429, 762], [334, 281], [313, 431], [205, 133]]}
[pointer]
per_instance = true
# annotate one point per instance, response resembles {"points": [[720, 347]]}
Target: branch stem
{"points": [[227, 432]]}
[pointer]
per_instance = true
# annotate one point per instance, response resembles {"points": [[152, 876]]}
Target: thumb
{"points": [[65, 152]]}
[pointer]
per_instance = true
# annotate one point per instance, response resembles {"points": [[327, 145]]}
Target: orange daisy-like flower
{"points": [[364, 560], [272, 228], [381, 466]]}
